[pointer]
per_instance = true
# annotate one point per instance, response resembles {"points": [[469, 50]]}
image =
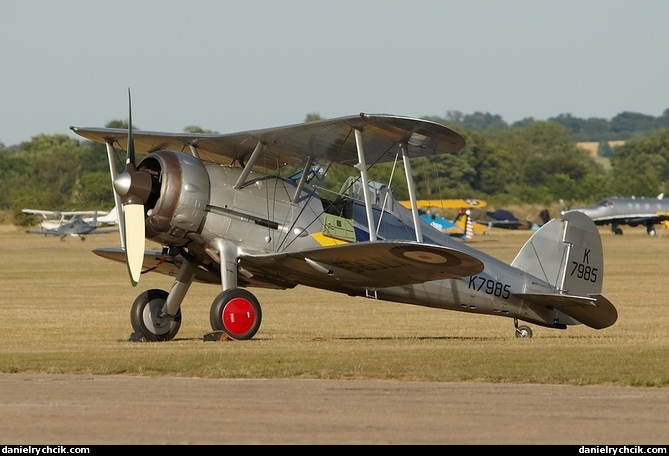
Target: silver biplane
{"points": [[224, 215]]}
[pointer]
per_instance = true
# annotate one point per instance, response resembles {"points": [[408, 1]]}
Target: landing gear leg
{"points": [[650, 229], [155, 314], [235, 311], [522, 332]]}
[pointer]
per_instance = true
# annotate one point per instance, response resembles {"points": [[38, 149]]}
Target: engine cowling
{"points": [[179, 195]]}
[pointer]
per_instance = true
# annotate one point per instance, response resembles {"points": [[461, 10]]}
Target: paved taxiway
{"points": [[92, 409]]}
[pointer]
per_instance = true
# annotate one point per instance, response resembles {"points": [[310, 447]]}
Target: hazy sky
{"points": [[242, 65]]}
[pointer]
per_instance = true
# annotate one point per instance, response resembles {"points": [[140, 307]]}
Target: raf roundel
{"points": [[425, 257]]}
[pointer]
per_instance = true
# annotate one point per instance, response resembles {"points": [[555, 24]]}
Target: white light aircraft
{"points": [[73, 223]]}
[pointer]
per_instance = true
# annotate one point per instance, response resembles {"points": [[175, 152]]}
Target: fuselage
{"points": [[630, 211], [196, 205]]}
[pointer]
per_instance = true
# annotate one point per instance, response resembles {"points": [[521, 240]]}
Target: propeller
{"points": [[134, 188]]}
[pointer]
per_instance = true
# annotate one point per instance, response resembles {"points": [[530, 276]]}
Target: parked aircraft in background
{"points": [[73, 223], [432, 212], [224, 215], [630, 211], [103, 219], [501, 218]]}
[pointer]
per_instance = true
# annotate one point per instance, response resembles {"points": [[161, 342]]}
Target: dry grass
{"points": [[66, 310]]}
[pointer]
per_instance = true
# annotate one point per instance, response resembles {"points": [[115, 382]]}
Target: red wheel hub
{"points": [[238, 315]]}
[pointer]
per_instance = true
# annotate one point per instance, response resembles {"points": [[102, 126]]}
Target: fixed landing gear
{"points": [[156, 314], [237, 313], [148, 319], [523, 331], [650, 229]]}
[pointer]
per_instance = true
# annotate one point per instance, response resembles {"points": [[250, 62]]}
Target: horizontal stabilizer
{"points": [[594, 310]]}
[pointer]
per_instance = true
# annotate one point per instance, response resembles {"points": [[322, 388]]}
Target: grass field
{"points": [[65, 310]]}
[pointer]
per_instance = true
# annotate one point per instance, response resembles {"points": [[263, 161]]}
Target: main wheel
{"points": [[147, 320], [237, 313]]}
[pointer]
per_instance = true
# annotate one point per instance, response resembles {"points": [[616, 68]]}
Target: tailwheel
{"points": [[237, 313], [522, 332], [147, 317]]}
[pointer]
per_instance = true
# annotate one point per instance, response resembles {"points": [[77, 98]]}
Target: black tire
{"points": [[237, 313], [523, 332], [145, 320]]}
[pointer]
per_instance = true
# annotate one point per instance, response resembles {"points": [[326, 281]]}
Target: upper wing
{"points": [[371, 265], [330, 140], [446, 203], [43, 213], [59, 214]]}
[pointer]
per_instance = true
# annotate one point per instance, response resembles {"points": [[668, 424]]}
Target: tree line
{"points": [[529, 162], [623, 127]]}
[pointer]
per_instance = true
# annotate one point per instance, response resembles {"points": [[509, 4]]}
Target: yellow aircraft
{"points": [[458, 226]]}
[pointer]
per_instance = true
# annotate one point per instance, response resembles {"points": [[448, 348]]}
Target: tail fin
{"points": [[111, 218], [567, 253]]}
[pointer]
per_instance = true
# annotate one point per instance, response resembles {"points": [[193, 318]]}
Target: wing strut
{"points": [[303, 179], [194, 152], [249, 165], [362, 167], [412, 192]]}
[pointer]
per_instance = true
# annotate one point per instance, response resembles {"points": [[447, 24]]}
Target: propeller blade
{"points": [[134, 188], [130, 157], [134, 240]]}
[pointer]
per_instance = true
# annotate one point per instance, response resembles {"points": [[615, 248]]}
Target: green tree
{"points": [[196, 129], [312, 116], [533, 161], [96, 192], [641, 167]]}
